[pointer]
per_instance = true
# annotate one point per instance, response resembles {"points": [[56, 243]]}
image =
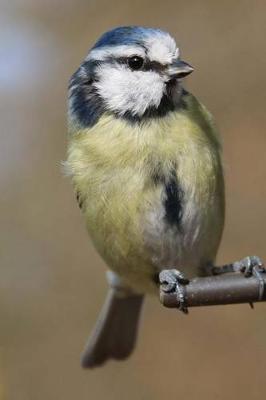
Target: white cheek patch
{"points": [[162, 48], [124, 90]]}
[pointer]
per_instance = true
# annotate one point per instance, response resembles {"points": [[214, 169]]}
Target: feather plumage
{"points": [[113, 165], [144, 156]]}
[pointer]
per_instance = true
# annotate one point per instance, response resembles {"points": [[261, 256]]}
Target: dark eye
{"points": [[135, 62]]}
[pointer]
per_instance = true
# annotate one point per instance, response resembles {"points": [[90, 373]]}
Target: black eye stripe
{"points": [[147, 65], [156, 66]]}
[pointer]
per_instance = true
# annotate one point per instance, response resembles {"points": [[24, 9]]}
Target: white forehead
{"points": [[160, 47]]}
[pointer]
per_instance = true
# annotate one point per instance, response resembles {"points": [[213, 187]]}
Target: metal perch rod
{"points": [[231, 288]]}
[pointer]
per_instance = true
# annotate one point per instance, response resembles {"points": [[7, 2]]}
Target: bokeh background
{"points": [[52, 282]]}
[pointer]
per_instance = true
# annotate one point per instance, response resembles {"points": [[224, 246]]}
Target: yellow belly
{"points": [[112, 165]]}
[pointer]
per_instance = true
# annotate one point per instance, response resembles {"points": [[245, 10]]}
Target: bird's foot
{"points": [[173, 280], [249, 266], [245, 266]]}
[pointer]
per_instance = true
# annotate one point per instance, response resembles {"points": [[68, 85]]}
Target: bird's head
{"points": [[133, 72]]}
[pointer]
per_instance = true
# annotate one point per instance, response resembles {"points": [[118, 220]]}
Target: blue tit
{"points": [[144, 157]]}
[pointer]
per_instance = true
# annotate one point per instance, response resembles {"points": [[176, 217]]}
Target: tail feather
{"points": [[114, 335]]}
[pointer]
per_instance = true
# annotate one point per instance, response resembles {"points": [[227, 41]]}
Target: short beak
{"points": [[179, 69]]}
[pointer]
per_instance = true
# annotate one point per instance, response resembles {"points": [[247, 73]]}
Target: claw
{"points": [[181, 278], [247, 265], [173, 280]]}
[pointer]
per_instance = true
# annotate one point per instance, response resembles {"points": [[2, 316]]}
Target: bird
{"points": [[145, 160]]}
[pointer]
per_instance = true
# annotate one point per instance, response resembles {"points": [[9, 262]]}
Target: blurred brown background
{"points": [[52, 281]]}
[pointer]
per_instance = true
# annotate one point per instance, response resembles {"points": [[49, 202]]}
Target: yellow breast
{"points": [[113, 165]]}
